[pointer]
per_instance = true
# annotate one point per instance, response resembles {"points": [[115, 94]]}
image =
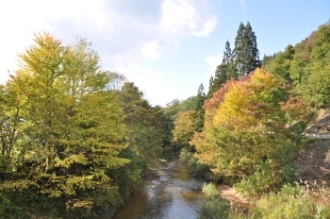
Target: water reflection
{"points": [[173, 195]]}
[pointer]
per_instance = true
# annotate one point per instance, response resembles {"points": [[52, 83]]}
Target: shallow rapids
{"points": [[173, 194]]}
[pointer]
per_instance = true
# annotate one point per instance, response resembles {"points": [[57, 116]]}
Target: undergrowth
{"points": [[291, 202]]}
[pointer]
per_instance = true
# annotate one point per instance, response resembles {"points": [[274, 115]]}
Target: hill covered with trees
{"points": [[254, 123]]}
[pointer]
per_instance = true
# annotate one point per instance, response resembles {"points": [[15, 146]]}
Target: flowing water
{"points": [[173, 194]]}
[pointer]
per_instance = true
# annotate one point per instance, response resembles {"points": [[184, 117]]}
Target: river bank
{"points": [[233, 197]]}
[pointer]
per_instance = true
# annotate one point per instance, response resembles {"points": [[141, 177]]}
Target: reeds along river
{"points": [[172, 194]]}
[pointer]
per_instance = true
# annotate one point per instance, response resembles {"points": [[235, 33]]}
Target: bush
{"points": [[195, 168], [210, 190], [8, 209], [293, 202], [265, 179], [258, 183], [214, 209]]}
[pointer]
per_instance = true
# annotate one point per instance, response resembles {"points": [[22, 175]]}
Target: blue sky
{"points": [[166, 47]]}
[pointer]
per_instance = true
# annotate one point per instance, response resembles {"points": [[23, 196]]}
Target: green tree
{"points": [[12, 114], [267, 59], [68, 129], [199, 111], [184, 127], [309, 66], [223, 71], [281, 63], [245, 53], [144, 123], [316, 90], [171, 112], [210, 92]]}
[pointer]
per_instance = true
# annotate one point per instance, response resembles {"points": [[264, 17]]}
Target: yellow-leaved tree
{"points": [[63, 133], [245, 137], [184, 127]]}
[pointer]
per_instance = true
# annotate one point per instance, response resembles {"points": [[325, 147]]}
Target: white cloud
{"points": [[208, 27], [153, 85], [20, 19], [213, 61], [124, 33], [187, 17], [178, 14], [151, 50]]}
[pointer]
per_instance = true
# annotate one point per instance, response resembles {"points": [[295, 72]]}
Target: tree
{"points": [[199, 120], [239, 62], [116, 81], [144, 123], [66, 127], [223, 71], [172, 111], [303, 67], [245, 53], [280, 64], [245, 132], [184, 127], [13, 113], [315, 89], [310, 65], [210, 92]]}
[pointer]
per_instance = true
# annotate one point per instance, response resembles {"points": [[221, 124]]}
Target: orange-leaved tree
{"points": [[245, 136]]}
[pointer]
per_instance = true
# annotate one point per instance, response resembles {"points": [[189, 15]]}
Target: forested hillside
{"points": [[306, 67], [254, 120]]}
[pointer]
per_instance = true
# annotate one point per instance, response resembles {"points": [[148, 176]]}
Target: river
{"points": [[172, 194]]}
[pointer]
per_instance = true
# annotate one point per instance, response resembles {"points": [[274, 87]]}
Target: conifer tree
{"points": [[211, 91], [199, 121], [222, 73], [246, 53]]}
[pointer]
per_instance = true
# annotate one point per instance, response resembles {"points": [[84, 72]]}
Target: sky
{"points": [[166, 47]]}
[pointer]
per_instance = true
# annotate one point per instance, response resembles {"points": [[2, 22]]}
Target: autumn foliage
{"points": [[72, 144], [245, 129]]}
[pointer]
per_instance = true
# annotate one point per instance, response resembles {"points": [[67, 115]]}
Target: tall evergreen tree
{"points": [[222, 73], [210, 91], [199, 121], [246, 53], [227, 54], [241, 61]]}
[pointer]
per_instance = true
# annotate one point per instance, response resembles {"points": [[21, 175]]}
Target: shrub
{"points": [[291, 203], [8, 210], [210, 190], [194, 167], [215, 209]]}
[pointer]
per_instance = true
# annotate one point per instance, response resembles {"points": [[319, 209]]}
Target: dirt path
{"points": [[233, 196]]}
